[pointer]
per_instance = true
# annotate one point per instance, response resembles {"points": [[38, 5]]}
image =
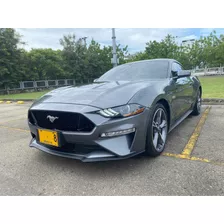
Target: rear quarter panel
{"points": [[196, 85]]}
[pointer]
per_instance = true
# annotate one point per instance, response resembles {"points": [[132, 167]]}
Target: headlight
{"points": [[122, 111]]}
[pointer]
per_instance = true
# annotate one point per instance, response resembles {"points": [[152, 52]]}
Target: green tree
{"points": [[74, 56], [10, 55], [94, 61], [45, 64], [166, 48], [86, 62]]}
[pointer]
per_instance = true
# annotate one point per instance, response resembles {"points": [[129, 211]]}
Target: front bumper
{"points": [[90, 157], [89, 147]]}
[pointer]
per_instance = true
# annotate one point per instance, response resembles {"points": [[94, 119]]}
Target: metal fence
{"points": [[208, 71], [35, 85], [46, 83], [41, 84]]}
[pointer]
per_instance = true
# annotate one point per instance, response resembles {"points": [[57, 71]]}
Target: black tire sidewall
{"points": [[195, 110]]}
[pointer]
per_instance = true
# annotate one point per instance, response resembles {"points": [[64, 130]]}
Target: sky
{"points": [[135, 38]]}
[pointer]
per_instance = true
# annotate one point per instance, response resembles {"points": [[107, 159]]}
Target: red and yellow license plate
{"points": [[48, 137]]}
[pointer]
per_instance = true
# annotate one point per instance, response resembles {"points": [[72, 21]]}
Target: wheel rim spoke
{"points": [[163, 124], [159, 118], [159, 128], [155, 139], [154, 124], [162, 137], [199, 103]]}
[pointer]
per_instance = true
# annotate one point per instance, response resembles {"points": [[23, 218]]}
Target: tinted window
{"points": [[176, 67], [137, 71]]}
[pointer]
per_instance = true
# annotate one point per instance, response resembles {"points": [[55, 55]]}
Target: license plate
{"points": [[48, 137]]}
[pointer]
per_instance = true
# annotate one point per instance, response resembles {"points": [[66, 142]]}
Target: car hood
{"points": [[100, 95]]}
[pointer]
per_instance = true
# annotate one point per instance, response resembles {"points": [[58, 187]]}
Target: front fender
{"points": [[149, 96]]}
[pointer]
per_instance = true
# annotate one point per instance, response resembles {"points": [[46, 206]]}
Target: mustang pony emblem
{"points": [[51, 118]]}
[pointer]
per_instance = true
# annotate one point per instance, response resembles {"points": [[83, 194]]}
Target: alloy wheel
{"points": [[199, 102], [159, 129]]}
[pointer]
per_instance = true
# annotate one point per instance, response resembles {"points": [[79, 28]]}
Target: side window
{"points": [[179, 68], [176, 68]]}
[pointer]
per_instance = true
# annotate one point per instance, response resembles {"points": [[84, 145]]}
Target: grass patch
{"points": [[212, 86], [24, 96]]}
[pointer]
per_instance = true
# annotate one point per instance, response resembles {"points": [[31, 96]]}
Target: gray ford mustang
{"points": [[127, 111]]}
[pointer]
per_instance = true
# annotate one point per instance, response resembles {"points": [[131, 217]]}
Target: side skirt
{"points": [[180, 120]]}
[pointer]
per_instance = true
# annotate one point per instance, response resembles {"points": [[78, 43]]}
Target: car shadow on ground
{"points": [[109, 167]]}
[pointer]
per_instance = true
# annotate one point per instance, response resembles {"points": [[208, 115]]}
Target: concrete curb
{"points": [[20, 102], [213, 101], [12, 101]]}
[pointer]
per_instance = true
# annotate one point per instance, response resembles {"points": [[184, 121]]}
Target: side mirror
{"points": [[95, 80], [184, 73], [181, 74], [175, 74]]}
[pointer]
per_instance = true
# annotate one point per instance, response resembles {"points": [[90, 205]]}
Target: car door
{"points": [[180, 97]]}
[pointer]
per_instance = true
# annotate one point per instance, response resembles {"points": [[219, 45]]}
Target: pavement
{"points": [[192, 164]]}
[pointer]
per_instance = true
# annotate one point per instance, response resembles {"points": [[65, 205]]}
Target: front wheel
{"points": [[157, 131], [197, 105]]}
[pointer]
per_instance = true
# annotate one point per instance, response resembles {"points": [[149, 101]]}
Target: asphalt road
{"points": [[26, 171]]}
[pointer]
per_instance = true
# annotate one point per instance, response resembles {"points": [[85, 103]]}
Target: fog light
{"points": [[117, 133]]}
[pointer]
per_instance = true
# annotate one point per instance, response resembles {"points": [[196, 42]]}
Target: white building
{"points": [[186, 43]]}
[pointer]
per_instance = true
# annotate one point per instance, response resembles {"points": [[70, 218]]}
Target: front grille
{"points": [[67, 121]]}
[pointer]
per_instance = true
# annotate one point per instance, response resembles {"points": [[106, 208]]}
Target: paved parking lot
{"points": [[192, 164]]}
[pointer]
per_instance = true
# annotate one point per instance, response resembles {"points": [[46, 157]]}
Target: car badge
{"points": [[51, 118]]}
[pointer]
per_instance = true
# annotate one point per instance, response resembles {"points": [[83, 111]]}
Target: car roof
{"points": [[157, 59]]}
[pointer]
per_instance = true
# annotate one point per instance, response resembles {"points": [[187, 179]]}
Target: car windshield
{"points": [[137, 71]]}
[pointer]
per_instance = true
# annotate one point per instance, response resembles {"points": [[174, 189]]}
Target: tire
{"points": [[156, 135], [197, 106]]}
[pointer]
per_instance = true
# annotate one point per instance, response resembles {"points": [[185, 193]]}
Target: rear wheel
{"points": [[157, 131], [197, 105]]}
